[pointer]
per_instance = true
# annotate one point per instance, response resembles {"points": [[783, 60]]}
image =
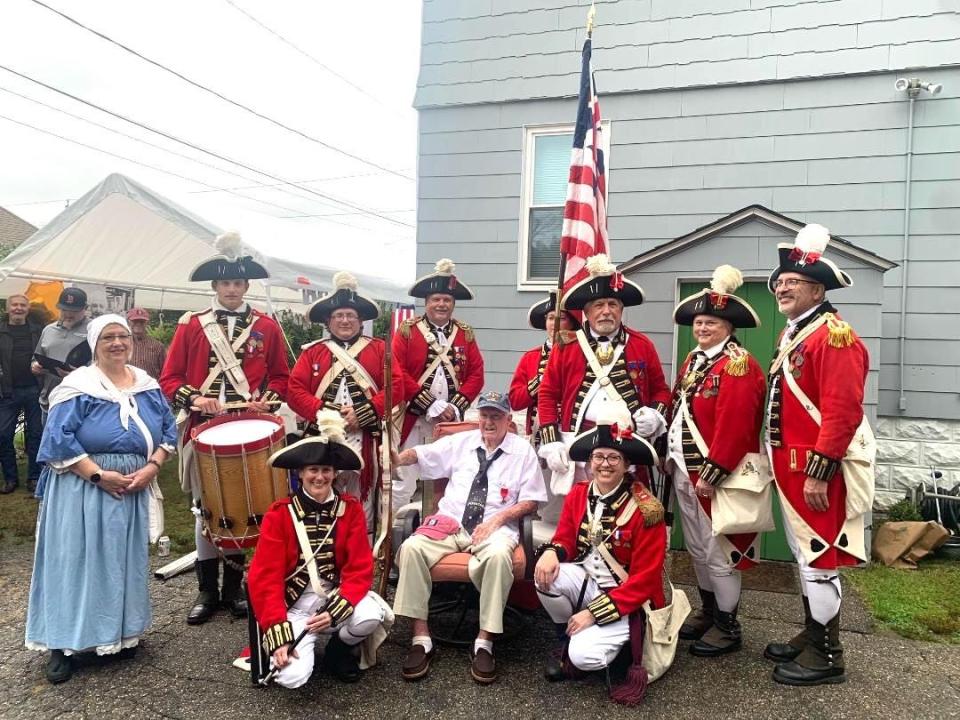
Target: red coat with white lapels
{"points": [[830, 366], [727, 408], [639, 545], [567, 368], [411, 351]]}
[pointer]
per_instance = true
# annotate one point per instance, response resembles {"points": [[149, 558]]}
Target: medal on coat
{"points": [[604, 354], [504, 494]]}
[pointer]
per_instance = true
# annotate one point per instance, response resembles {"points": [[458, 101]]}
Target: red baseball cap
{"points": [[137, 314]]}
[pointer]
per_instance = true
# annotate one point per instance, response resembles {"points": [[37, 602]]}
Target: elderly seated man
{"points": [[495, 479]]}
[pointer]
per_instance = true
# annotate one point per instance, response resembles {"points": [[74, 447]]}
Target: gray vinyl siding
{"points": [[828, 150], [506, 50]]}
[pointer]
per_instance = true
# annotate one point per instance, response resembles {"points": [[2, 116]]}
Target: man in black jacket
{"points": [[19, 390]]}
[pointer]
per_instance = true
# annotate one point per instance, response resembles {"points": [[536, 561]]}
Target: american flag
{"points": [[401, 313], [585, 214]]}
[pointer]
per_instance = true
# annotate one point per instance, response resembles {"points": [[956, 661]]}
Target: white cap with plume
{"points": [[600, 265], [445, 266], [230, 245], [812, 238], [344, 280], [726, 279], [331, 425]]}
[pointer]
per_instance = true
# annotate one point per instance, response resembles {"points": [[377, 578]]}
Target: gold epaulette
{"points": [[651, 508], [185, 318], [467, 330], [407, 325], [311, 344], [568, 336], [839, 332], [739, 360]]}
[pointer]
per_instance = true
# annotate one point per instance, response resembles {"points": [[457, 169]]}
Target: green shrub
{"points": [[903, 511]]}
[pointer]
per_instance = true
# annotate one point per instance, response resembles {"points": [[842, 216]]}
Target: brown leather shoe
{"points": [[484, 667], [417, 663]]}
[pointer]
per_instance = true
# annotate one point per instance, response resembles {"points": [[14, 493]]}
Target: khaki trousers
{"points": [[490, 569]]}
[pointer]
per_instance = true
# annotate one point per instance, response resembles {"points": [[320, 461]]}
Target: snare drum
{"points": [[237, 485]]}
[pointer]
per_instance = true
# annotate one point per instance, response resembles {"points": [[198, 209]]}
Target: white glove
{"points": [[649, 423], [436, 408], [556, 455]]}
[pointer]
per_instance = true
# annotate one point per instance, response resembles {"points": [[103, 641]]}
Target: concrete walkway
{"points": [[184, 672]]}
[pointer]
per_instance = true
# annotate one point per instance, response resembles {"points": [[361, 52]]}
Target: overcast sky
{"points": [[373, 45]]}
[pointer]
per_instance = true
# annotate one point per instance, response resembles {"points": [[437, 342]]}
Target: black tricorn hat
{"points": [[617, 437], [231, 263], [604, 282], [344, 295], [80, 355], [805, 256], [718, 300], [441, 280], [325, 448], [537, 315]]}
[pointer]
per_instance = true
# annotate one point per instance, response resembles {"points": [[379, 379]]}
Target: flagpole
{"points": [[591, 16]]}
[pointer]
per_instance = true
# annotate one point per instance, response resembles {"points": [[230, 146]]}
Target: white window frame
{"points": [[530, 133]]}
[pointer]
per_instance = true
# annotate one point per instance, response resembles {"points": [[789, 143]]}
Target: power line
{"points": [[163, 149], [217, 94], [307, 55], [330, 178], [189, 144], [157, 169]]}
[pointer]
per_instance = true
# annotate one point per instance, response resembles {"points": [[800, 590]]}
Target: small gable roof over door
{"points": [[789, 226]]}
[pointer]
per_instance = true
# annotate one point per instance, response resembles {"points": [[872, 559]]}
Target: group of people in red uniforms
{"points": [[597, 404]]}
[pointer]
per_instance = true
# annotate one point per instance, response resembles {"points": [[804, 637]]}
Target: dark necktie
{"points": [[603, 338], [228, 313], [477, 499]]}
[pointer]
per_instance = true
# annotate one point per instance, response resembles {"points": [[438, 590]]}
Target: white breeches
{"points": [[367, 615], [821, 586], [595, 647]]}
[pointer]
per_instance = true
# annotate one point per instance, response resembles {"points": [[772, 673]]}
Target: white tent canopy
{"points": [[123, 234]]}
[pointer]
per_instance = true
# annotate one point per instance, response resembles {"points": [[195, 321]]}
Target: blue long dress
{"points": [[90, 572]]}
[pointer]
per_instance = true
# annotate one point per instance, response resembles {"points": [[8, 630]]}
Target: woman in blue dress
{"points": [[108, 432]]}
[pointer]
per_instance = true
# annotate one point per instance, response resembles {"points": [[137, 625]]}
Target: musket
{"points": [[382, 547]]}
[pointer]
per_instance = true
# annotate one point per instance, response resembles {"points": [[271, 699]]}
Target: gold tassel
{"points": [[839, 332], [738, 362], [651, 508], [467, 331], [405, 326]]}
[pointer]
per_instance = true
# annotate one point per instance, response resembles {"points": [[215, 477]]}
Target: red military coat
{"points": [[411, 351], [727, 408], [830, 366], [264, 360], [278, 555], [639, 545], [567, 368], [526, 382], [310, 368]]}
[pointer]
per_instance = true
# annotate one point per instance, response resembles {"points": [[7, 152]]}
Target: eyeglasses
{"points": [[791, 283], [344, 316], [612, 459], [114, 338]]}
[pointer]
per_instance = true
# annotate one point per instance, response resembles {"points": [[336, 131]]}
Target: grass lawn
{"points": [[922, 604], [18, 514]]}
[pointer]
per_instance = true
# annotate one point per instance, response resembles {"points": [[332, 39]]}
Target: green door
{"points": [[760, 342]]}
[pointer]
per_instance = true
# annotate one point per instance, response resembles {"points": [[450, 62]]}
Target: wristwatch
{"points": [[96, 477]]}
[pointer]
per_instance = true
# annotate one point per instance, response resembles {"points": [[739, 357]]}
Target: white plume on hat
{"points": [[600, 265], [331, 425], [726, 279], [812, 238], [230, 245], [445, 266], [344, 279]]}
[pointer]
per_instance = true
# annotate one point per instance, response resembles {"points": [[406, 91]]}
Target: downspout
{"points": [[912, 92]]}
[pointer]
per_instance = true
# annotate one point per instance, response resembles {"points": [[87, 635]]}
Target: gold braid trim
{"points": [[820, 467], [603, 609], [467, 330], [339, 607], [738, 362], [461, 403], [181, 398], [651, 508], [549, 434], [712, 473], [839, 332], [277, 636]]}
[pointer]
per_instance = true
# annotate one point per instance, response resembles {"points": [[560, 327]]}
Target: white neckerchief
{"points": [[92, 381], [231, 320], [792, 324], [595, 514], [596, 336]]}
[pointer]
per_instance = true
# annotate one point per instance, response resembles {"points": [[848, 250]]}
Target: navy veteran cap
{"points": [[494, 400]]}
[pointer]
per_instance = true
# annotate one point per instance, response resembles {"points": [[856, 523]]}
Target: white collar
{"points": [[714, 350], [800, 318], [90, 380], [611, 336], [607, 496]]}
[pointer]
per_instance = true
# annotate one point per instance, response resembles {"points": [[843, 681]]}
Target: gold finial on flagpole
{"points": [[591, 14]]}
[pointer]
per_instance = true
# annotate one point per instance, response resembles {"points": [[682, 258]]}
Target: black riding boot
{"points": [[699, 622], [341, 661], [820, 662], [724, 637], [231, 596], [785, 652], [209, 598]]}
